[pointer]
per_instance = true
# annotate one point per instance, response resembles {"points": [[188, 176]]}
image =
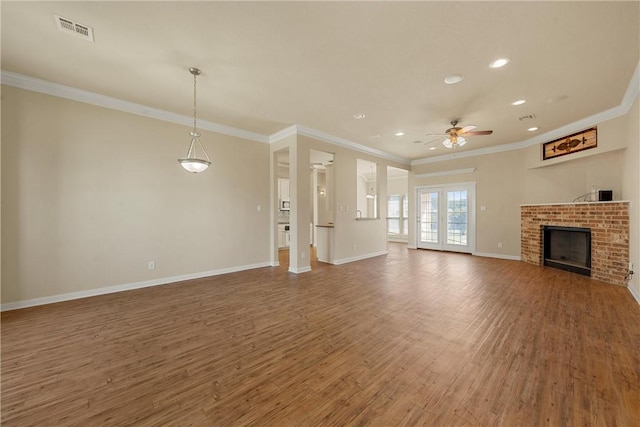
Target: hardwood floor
{"points": [[411, 338]]}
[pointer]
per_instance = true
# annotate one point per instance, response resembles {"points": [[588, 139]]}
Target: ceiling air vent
{"points": [[70, 27], [527, 117]]}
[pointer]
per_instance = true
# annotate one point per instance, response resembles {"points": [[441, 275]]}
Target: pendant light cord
{"points": [[194, 102]]}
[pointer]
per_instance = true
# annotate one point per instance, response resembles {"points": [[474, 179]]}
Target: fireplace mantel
{"points": [[609, 224], [576, 203]]}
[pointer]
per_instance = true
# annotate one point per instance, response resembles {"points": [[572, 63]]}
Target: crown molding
{"points": [[630, 95], [316, 134], [444, 173], [22, 81], [55, 89], [284, 133]]}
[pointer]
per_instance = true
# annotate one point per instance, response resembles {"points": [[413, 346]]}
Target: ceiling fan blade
{"points": [[479, 132], [466, 129]]}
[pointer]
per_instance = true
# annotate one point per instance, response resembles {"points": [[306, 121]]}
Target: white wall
{"points": [[508, 179], [90, 195], [631, 191]]}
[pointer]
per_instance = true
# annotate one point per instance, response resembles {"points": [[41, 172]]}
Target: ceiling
{"points": [[269, 65]]}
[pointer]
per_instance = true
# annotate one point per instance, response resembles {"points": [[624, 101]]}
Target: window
{"points": [[394, 218], [398, 217]]}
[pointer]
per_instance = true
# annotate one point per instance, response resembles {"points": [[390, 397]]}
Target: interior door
{"points": [[446, 217]]}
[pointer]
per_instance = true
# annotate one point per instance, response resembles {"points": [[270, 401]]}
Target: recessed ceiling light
{"points": [[359, 116], [376, 136], [453, 79], [432, 148], [399, 133], [499, 63], [533, 129], [518, 102]]}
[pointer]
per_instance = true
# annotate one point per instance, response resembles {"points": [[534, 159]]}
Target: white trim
{"points": [[316, 134], [444, 173], [125, 287], [359, 257], [37, 85], [397, 239], [576, 203], [471, 187], [275, 264], [282, 134], [633, 293], [500, 256], [299, 270], [55, 89], [632, 92], [411, 246]]}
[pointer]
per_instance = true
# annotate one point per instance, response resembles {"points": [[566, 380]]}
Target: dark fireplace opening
{"points": [[568, 248]]}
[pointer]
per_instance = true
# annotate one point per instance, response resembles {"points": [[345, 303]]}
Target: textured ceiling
{"points": [[268, 65]]}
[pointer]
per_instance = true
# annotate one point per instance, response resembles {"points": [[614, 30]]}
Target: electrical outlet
{"points": [[259, 208], [151, 265], [500, 244], [354, 246], [301, 255], [630, 266]]}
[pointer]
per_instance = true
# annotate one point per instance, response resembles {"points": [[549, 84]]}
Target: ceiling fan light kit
{"points": [[456, 135]]}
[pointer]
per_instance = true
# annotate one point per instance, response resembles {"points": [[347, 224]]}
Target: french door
{"points": [[446, 217]]}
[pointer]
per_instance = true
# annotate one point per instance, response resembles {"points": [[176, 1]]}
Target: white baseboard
{"points": [[125, 287], [501, 256], [396, 240], [299, 270], [358, 258], [634, 293]]}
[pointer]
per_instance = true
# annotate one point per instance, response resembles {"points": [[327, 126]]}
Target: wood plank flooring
{"points": [[411, 338]]}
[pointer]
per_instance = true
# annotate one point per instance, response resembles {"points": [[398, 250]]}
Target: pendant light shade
{"points": [[194, 163]]}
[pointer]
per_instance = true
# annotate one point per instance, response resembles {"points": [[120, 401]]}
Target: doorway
{"points": [[446, 217]]}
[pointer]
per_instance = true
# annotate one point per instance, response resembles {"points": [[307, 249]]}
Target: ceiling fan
{"points": [[456, 135]]}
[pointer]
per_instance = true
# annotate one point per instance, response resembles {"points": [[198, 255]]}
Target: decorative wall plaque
{"points": [[570, 144]]}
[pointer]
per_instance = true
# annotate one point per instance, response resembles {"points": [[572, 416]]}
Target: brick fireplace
{"points": [[609, 225]]}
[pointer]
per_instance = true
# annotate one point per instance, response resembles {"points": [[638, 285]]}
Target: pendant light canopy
{"points": [[192, 162]]}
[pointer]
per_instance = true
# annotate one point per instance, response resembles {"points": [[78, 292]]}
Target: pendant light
{"points": [[192, 162], [371, 194]]}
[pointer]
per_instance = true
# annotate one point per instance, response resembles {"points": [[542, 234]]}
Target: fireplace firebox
{"points": [[568, 248]]}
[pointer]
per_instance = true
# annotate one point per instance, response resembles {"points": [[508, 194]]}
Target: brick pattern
{"points": [[609, 224]]}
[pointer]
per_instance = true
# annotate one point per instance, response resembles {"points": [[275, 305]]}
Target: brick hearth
{"points": [[609, 224]]}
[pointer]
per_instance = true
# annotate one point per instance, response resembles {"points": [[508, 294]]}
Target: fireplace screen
{"points": [[568, 248]]}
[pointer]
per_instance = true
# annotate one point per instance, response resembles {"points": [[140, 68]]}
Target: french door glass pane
{"points": [[457, 217], [429, 217]]}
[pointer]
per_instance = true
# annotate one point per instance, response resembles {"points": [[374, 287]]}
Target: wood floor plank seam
{"points": [[410, 338]]}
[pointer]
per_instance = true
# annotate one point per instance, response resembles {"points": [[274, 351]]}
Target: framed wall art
{"points": [[574, 143]]}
